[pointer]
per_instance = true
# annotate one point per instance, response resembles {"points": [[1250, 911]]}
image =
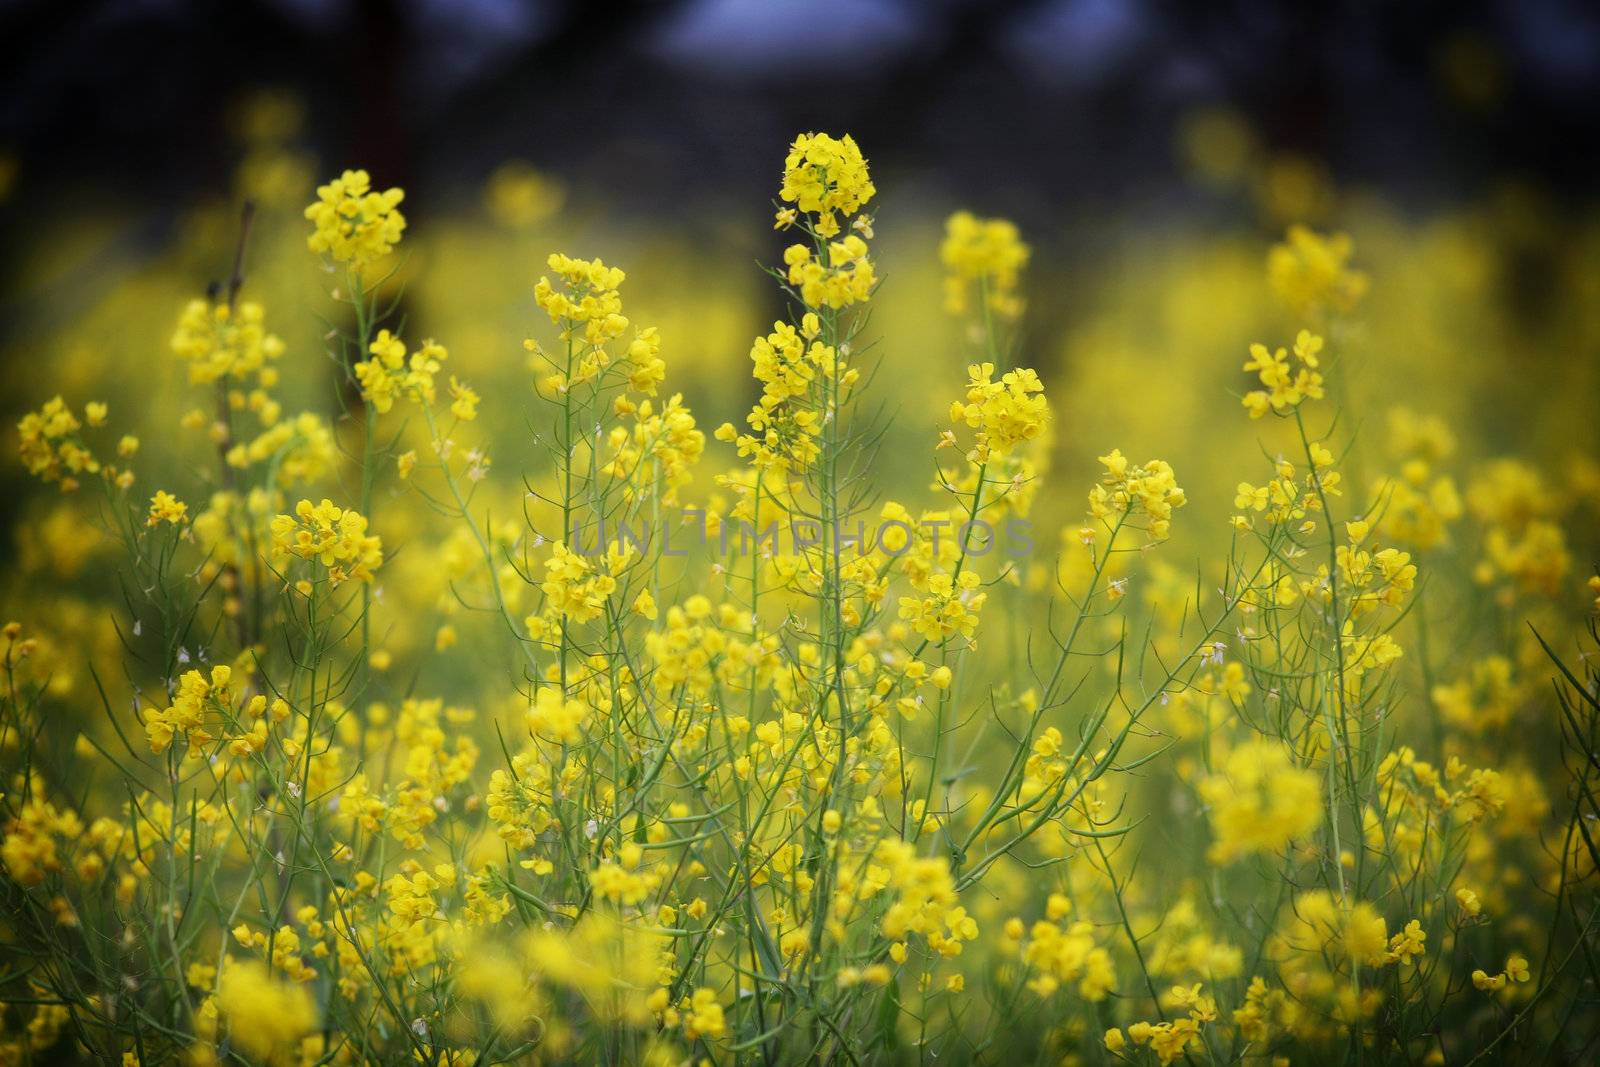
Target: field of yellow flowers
{"points": [[378, 697]]}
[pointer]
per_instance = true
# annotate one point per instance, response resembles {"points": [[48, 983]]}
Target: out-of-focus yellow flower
{"points": [[983, 254]]}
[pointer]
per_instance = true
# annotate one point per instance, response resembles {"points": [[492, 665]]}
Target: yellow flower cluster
{"points": [[334, 537], [800, 378], [685, 649], [1003, 412], [826, 177], [389, 373], [1524, 549], [573, 588], [624, 879], [1413, 791], [34, 841], [949, 609], [1260, 801], [841, 277], [587, 296], [220, 341], [1310, 273], [1285, 386], [1058, 952], [554, 718], [164, 507], [1516, 972], [354, 223], [1486, 698], [1419, 505], [646, 368], [1346, 933], [185, 718], [51, 448], [1288, 498], [282, 947], [266, 1018], [1129, 493], [983, 254], [1372, 578], [659, 452], [1170, 1039], [924, 898]]}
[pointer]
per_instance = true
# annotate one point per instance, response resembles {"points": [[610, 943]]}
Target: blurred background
{"points": [[1151, 153]]}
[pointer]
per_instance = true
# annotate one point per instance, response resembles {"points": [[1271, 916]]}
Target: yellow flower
{"points": [[553, 718], [1128, 491], [704, 1017], [464, 400], [390, 374], [983, 254], [824, 176], [164, 507], [1309, 273], [352, 222], [334, 537], [1488, 983], [1004, 413], [1408, 943], [218, 341], [1260, 801], [1285, 385], [519, 196], [266, 1018], [50, 447], [587, 296]]}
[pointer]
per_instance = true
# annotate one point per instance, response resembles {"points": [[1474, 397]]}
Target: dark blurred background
{"points": [[1051, 101]]}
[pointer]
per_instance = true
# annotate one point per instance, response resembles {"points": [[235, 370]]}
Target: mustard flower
{"points": [[219, 341], [587, 295], [334, 537], [1004, 412], [826, 176], [266, 1018], [843, 277], [51, 448], [983, 254], [164, 507], [1310, 273], [354, 223], [1285, 385], [1260, 801], [1150, 491]]}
